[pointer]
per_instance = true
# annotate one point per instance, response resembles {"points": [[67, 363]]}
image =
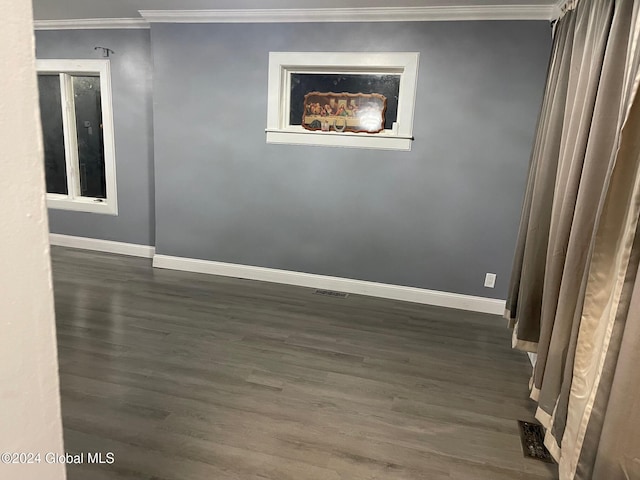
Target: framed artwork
{"points": [[344, 112], [363, 100]]}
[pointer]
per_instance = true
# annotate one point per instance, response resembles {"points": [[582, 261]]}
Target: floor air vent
{"points": [[331, 293], [532, 438]]}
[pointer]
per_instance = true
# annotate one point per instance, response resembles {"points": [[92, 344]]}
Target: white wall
{"points": [[29, 394]]}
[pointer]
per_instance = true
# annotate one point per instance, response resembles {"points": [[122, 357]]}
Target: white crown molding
{"points": [[375, 14], [90, 23], [359, 287], [300, 15], [96, 244]]}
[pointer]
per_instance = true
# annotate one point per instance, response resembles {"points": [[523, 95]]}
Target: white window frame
{"points": [[73, 200], [283, 64]]}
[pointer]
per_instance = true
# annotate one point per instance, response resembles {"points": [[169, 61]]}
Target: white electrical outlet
{"points": [[490, 280]]}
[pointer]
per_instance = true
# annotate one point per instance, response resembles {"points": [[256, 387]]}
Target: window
{"points": [[363, 100], [77, 132]]}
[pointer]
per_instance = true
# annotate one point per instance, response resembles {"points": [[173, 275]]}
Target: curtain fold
{"points": [[572, 291], [524, 303]]}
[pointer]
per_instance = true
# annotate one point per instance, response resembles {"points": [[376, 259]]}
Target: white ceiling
{"points": [[74, 9]]}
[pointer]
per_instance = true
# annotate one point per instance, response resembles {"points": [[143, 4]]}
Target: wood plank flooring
{"points": [[194, 377]]}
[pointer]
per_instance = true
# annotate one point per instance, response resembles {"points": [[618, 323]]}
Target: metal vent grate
{"points": [[331, 293], [532, 438]]}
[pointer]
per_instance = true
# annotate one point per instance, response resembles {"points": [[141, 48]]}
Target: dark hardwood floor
{"points": [[187, 376]]}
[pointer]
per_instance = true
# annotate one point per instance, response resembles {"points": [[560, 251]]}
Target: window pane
{"points": [[88, 108], [384, 84], [52, 133]]}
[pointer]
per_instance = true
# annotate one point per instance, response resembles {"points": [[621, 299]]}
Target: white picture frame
{"points": [[283, 64]]}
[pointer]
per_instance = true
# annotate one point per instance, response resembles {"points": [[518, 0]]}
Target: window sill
{"points": [[90, 205], [378, 141]]}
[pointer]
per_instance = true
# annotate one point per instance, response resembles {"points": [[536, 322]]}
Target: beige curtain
{"points": [[572, 297]]}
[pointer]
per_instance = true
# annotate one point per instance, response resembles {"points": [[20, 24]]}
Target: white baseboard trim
{"points": [[360, 287], [532, 358], [96, 244]]}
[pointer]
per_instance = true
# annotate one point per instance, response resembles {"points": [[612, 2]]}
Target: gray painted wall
{"points": [[439, 217], [132, 111]]}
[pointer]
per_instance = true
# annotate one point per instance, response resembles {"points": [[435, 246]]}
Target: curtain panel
{"points": [[572, 297]]}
